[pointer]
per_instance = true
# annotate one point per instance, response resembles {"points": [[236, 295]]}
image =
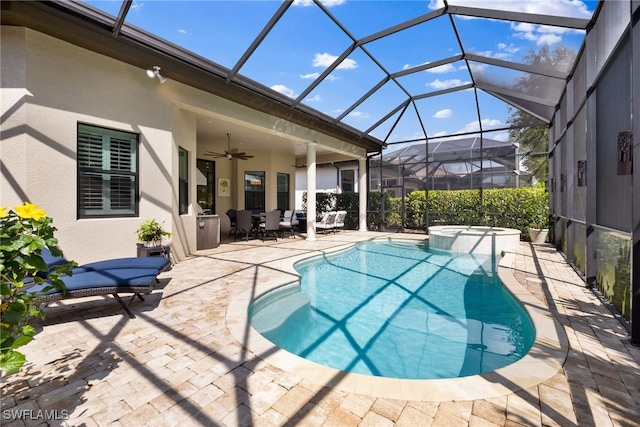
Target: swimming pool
{"points": [[399, 310]]}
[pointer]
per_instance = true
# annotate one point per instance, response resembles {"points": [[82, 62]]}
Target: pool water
{"points": [[397, 309]]}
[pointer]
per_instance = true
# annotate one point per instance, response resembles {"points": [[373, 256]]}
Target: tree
{"points": [[527, 131], [532, 139]]}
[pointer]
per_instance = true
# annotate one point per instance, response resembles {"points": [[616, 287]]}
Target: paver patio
{"points": [[176, 363]]}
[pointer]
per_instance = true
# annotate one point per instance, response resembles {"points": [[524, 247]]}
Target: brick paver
{"points": [[177, 364]]}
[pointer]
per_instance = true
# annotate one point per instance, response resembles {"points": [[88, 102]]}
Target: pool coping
{"points": [[545, 358]]}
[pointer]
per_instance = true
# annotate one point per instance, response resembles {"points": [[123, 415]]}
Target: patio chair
{"points": [[289, 221], [327, 222], [135, 281], [271, 226], [231, 213], [339, 223], [244, 224]]}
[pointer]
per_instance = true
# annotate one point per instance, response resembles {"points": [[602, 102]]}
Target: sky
{"points": [[306, 41]]}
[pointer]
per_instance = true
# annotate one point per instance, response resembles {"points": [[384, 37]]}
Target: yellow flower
{"points": [[3, 212], [30, 211]]}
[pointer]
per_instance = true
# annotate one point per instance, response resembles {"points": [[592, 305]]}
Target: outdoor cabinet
{"points": [[208, 233]]}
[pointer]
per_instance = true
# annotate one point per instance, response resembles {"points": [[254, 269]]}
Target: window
{"points": [[348, 180], [183, 181], [283, 191], [107, 172], [254, 191]]}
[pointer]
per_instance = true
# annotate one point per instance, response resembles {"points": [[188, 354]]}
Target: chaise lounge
{"points": [[134, 275]]}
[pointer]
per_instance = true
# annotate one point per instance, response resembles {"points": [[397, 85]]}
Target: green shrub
{"points": [[519, 208]]}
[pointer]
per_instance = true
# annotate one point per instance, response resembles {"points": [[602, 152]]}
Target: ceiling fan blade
{"points": [[213, 154], [243, 157]]}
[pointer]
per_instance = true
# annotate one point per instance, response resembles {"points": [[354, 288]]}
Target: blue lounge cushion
{"points": [[50, 259], [157, 263]]}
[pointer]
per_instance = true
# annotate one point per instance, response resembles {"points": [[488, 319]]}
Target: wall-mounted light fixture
{"points": [[156, 73]]}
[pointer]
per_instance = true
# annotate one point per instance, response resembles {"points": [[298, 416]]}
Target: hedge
{"points": [[519, 208]]}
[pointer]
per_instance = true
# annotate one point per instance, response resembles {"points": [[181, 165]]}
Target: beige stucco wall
{"points": [[49, 86], [62, 86]]}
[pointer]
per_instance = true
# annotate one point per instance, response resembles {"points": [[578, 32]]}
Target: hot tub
{"points": [[473, 239]]}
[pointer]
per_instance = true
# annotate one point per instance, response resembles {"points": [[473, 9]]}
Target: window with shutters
{"points": [[283, 191], [183, 181], [107, 172]]}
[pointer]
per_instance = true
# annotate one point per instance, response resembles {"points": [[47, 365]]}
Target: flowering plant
{"points": [[24, 232]]}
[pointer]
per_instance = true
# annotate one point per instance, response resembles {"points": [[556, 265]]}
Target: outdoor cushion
{"points": [[157, 263], [152, 262]]}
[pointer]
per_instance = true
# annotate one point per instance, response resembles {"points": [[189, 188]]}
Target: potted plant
{"points": [[150, 233], [539, 226]]}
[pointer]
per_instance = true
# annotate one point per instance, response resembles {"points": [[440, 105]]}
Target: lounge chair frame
{"points": [[136, 290]]}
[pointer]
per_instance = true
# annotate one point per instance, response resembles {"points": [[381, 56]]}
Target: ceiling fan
{"points": [[227, 153]]}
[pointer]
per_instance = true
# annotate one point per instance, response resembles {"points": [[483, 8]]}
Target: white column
{"points": [[311, 191], [362, 193]]}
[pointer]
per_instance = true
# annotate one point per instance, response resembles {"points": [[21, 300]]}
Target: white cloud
{"points": [[508, 48], [284, 90], [358, 114], [136, 6], [490, 123], [326, 59], [540, 34], [440, 69], [182, 31], [474, 126], [328, 3], [311, 76], [445, 84], [505, 51], [315, 98], [477, 68], [441, 133], [548, 39], [571, 8], [502, 136], [443, 114], [407, 66]]}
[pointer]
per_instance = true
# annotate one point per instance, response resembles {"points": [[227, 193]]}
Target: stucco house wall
{"points": [[49, 86]]}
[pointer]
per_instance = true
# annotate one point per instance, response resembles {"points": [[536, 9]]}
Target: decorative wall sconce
{"points": [[156, 73], [625, 153], [582, 173]]}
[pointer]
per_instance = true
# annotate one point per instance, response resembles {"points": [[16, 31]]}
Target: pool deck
{"points": [[188, 359]]}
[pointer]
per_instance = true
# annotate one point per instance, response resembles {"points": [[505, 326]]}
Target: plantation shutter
{"points": [[107, 172]]}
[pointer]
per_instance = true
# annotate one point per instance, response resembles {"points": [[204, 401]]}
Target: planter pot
{"points": [[538, 235]]}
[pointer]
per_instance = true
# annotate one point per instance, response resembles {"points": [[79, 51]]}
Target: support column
{"points": [[362, 194], [311, 191], [635, 108]]}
